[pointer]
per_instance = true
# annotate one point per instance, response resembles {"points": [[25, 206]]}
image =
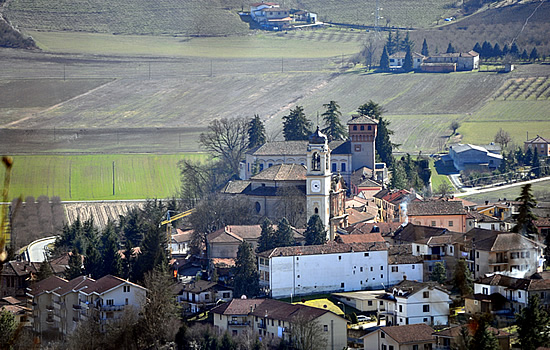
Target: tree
{"points": [[295, 125], [525, 218], [464, 339], [227, 140], [160, 321], [398, 176], [486, 50], [533, 325], [8, 328], [333, 127], [198, 180], [514, 50], [284, 236], [503, 138], [384, 147], [267, 236], [425, 51], [307, 334], [524, 55], [371, 109], [477, 48], [368, 51], [528, 157], [497, 52], [385, 60], [407, 43], [439, 273], [111, 257], [462, 278], [291, 205], [93, 265], [534, 55], [535, 164], [154, 253], [444, 189], [484, 338], [450, 48], [246, 274], [315, 233], [505, 50], [75, 265], [390, 44], [408, 64], [455, 124], [256, 132]]}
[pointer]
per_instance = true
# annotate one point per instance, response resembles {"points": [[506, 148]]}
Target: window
{"points": [[334, 167], [451, 223], [413, 267], [382, 335], [369, 127], [343, 167], [527, 255], [235, 332], [357, 148], [342, 285], [207, 297], [258, 207], [110, 302], [298, 276], [384, 347], [316, 210], [418, 249], [394, 269], [477, 268], [426, 294], [381, 276], [433, 223], [477, 256], [362, 127], [369, 303], [485, 290], [261, 167], [519, 294], [400, 308], [381, 268], [126, 289], [366, 254], [325, 328], [126, 301], [426, 308], [361, 269], [390, 347], [371, 269], [339, 257], [355, 127], [415, 347], [226, 295]]}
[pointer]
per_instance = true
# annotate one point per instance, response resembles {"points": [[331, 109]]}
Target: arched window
{"points": [[317, 211], [316, 162], [258, 207]]}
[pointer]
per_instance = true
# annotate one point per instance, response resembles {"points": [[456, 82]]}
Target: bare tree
{"points": [[503, 138], [368, 51], [292, 205], [227, 140], [455, 125], [307, 334]]}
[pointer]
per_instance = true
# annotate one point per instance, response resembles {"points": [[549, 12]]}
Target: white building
{"points": [[325, 268], [398, 59], [410, 302], [402, 264], [179, 243], [408, 337]]}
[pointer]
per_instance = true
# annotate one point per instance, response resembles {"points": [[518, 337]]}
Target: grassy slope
{"points": [[539, 190], [91, 177]]}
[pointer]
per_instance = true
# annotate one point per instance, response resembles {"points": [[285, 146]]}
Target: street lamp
{"points": [[343, 307]]}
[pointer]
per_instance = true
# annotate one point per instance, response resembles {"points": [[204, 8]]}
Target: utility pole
{"points": [[211, 69], [282, 64], [149, 70], [64, 75], [113, 177]]}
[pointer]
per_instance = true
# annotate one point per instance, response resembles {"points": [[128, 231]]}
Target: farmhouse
{"points": [[397, 59], [538, 144], [463, 60], [270, 15]]}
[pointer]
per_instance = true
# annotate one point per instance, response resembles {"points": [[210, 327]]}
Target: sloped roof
{"points": [[403, 54], [411, 333], [239, 233], [282, 172], [361, 238], [410, 288], [490, 240], [369, 183], [538, 139], [454, 332], [402, 254], [355, 216], [384, 228], [362, 119], [413, 233], [329, 248], [200, 286], [340, 147], [46, 285], [423, 208], [270, 308], [236, 186], [182, 236]]}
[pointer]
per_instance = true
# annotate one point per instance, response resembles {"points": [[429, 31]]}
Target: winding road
{"points": [[37, 250]]}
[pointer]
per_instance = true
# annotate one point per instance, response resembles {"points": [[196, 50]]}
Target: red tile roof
{"points": [[361, 238], [329, 248], [435, 208], [412, 333]]}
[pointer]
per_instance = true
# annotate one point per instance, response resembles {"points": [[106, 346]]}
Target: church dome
{"points": [[318, 138]]}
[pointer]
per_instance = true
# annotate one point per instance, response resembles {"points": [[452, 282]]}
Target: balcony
{"points": [[111, 307], [57, 305], [498, 261], [77, 307], [238, 323], [49, 307], [49, 320], [262, 325]]}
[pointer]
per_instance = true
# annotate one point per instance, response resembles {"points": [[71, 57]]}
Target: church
{"points": [[303, 178]]}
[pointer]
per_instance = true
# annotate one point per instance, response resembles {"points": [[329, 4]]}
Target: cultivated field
{"points": [[541, 191], [90, 177]]}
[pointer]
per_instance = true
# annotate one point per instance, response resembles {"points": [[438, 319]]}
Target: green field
{"points": [[437, 179], [267, 45], [538, 189], [90, 177]]}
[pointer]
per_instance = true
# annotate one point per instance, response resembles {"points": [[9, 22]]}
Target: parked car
{"points": [[362, 318]]}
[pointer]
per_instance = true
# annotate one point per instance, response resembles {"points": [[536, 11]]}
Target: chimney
{"points": [[404, 277]]}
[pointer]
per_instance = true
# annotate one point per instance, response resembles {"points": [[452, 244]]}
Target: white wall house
{"points": [[325, 268], [411, 302]]}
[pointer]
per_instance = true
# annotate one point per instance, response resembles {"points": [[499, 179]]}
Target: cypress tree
{"points": [[315, 233], [408, 64], [497, 52], [399, 178], [487, 50], [524, 55], [450, 48], [45, 270], [384, 147], [525, 218], [92, 262], [533, 325], [267, 236], [390, 44], [385, 60], [477, 48], [505, 50], [534, 55], [256, 132], [514, 50], [284, 236], [535, 164], [246, 274], [111, 257], [333, 127], [75, 265], [425, 50]]}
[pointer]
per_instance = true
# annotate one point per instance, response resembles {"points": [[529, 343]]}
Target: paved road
{"points": [[476, 190], [36, 251]]}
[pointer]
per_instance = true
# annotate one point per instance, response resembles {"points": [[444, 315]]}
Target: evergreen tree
{"points": [[425, 50], [528, 157], [246, 273], [111, 257], [407, 43], [128, 261], [533, 325], [227, 342], [524, 55], [256, 132], [384, 147], [486, 50], [8, 329], [153, 253], [477, 48], [296, 126], [385, 60], [390, 44], [464, 339], [484, 338], [497, 52], [439, 273], [450, 48], [520, 157], [398, 176], [132, 228], [371, 109], [315, 233], [514, 50], [93, 265], [284, 236], [408, 64], [45, 270], [534, 55], [397, 45], [462, 278], [525, 218], [75, 265], [267, 237], [333, 127]]}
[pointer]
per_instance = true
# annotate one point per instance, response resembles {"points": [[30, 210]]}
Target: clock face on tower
{"points": [[315, 186]]}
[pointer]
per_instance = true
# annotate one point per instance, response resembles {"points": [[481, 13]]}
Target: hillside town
{"points": [[294, 175]]}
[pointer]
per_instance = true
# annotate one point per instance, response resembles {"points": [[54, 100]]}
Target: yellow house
{"points": [[444, 214]]}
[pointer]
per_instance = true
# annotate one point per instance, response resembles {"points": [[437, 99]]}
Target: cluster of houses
{"points": [[271, 16]]}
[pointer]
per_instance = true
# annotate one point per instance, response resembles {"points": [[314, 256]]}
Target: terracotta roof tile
{"points": [[329, 248], [282, 172], [361, 238], [435, 208], [454, 332], [384, 228], [362, 119], [412, 333]]}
